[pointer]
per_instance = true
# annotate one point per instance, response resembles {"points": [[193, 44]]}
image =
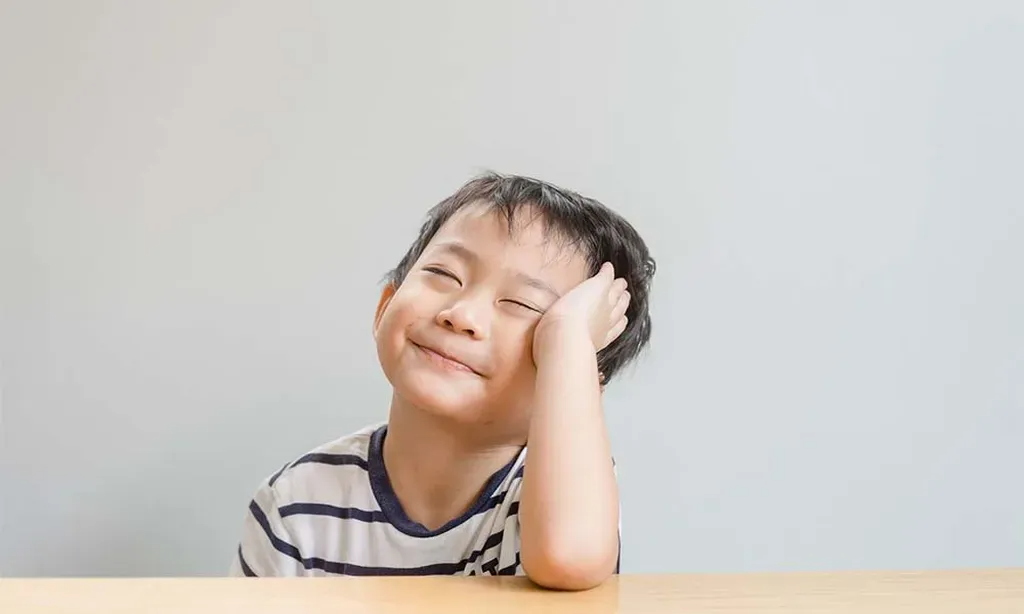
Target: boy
{"points": [[500, 326]]}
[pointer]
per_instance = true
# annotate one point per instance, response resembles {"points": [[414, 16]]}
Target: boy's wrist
{"points": [[560, 339]]}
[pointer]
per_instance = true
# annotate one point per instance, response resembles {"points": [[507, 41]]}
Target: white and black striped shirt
{"points": [[333, 511]]}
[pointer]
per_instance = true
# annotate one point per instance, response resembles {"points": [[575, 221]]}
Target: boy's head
{"points": [[488, 261]]}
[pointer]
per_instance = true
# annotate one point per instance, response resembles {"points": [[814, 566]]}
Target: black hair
{"points": [[600, 234]]}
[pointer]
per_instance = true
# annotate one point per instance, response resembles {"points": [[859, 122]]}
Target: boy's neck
{"points": [[437, 468]]}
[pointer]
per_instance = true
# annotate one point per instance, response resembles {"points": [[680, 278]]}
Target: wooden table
{"points": [[969, 592]]}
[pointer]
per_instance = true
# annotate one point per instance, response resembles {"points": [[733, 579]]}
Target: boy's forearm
{"points": [[569, 503]]}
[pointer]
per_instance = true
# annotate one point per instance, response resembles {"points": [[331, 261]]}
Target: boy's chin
{"points": [[452, 403]]}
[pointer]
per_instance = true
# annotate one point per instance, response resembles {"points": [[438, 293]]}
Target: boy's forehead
{"points": [[482, 227]]}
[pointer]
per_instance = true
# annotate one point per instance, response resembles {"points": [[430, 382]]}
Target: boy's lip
{"points": [[447, 356]]}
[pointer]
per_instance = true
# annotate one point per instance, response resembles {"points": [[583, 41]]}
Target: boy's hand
{"points": [[594, 310]]}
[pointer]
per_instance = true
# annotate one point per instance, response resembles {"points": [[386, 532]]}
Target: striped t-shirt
{"points": [[333, 511]]}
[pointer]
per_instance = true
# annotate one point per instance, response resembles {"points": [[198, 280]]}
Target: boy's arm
{"points": [[569, 505]]}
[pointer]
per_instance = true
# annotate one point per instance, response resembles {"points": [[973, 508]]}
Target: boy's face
{"points": [[456, 338]]}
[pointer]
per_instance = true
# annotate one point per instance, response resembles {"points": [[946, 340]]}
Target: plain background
{"points": [[199, 200]]}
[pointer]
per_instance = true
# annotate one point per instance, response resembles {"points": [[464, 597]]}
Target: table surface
{"points": [[944, 592]]}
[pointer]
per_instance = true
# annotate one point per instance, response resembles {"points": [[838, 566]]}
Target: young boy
{"points": [[500, 327]]}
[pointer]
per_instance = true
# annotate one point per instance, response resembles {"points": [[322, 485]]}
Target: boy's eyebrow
{"points": [[460, 250], [539, 284]]}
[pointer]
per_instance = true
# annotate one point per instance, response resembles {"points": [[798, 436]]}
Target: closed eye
{"points": [[524, 305], [442, 273]]}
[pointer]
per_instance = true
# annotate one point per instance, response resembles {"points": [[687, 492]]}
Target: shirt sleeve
{"points": [[266, 548]]}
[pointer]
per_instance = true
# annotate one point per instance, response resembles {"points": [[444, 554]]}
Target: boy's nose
{"points": [[463, 319]]}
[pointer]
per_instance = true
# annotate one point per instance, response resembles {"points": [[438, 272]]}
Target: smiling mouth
{"points": [[445, 361]]}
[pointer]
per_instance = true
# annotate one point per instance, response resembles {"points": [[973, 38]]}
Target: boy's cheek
{"points": [[526, 346], [518, 359]]}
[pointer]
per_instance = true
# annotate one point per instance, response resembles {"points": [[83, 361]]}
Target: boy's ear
{"points": [[386, 295]]}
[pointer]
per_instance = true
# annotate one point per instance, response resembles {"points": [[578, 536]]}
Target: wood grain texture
{"points": [[949, 592]]}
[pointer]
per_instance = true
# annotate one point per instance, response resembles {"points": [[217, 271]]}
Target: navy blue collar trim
{"points": [[390, 505]]}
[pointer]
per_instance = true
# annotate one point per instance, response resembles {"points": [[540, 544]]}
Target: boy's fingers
{"points": [[615, 290], [603, 279], [616, 330], [619, 310]]}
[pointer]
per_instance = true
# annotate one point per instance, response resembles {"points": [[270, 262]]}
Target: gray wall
{"points": [[199, 199]]}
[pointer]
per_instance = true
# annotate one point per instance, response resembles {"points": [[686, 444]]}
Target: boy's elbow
{"points": [[569, 570]]}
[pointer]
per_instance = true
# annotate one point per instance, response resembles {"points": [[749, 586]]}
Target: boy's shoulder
{"points": [[327, 470]]}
